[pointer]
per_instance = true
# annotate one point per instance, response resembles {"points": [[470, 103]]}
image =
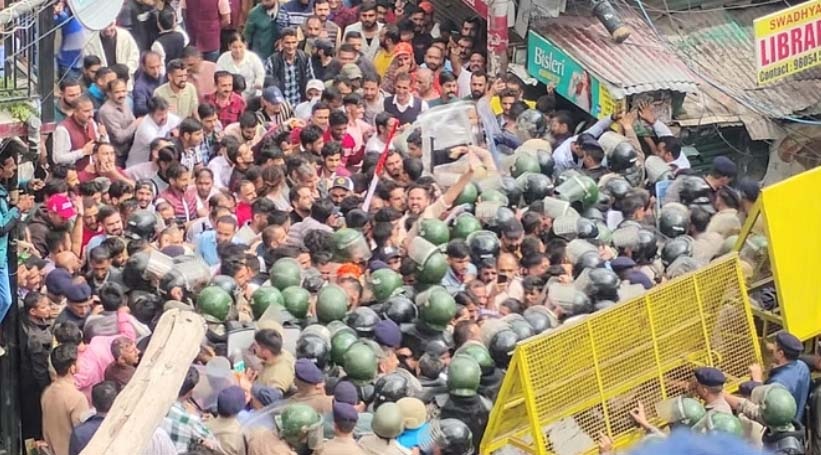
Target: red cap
{"points": [[427, 7], [402, 48], [61, 205]]}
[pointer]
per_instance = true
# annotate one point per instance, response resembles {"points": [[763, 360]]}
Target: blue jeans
{"points": [[5, 290]]}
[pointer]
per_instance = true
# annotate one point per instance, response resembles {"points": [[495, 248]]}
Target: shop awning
{"points": [[720, 48], [639, 65]]}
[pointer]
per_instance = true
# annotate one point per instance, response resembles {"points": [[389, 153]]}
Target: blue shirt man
{"points": [[788, 371]]}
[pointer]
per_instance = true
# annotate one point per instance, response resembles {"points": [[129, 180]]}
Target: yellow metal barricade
{"points": [[565, 387], [786, 220]]}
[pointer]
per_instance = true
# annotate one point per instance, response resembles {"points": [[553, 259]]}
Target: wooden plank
{"points": [[141, 406]]}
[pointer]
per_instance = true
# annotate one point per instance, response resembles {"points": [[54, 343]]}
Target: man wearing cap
{"points": [[275, 109], [310, 387], [786, 370], [79, 305], [709, 387], [388, 335], [343, 443], [55, 215], [225, 427], [313, 93], [341, 187]]}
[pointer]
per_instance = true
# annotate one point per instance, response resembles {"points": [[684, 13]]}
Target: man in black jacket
{"points": [[290, 69], [35, 346]]}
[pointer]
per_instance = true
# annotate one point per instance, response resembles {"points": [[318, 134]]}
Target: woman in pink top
{"points": [[359, 130]]}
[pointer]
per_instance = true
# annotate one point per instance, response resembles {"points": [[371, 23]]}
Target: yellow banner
{"points": [[787, 41]]}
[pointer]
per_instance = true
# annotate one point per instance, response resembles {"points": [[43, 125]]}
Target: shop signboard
{"points": [[552, 66], [787, 41]]}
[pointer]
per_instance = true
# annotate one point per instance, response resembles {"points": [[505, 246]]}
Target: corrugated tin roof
{"points": [[640, 64], [719, 45]]}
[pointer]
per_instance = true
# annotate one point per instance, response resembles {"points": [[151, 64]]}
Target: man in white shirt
{"points": [[75, 136], [568, 155], [158, 123]]}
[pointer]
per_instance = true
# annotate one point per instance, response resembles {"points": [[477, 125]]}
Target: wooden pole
{"points": [[142, 405]]}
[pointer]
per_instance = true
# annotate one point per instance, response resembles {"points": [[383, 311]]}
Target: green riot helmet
{"points": [[400, 309], [315, 349], [648, 247], [754, 249], [531, 123], [681, 410], [512, 190], [434, 231], [674, 220], [719, 422], [385, 283], [286, 272], [214, 303], [546, 162], [603, 285], [524, 162], [360, 362], [491, 195], [393, 386], [447, 437], [362, 320], [464, 376], [264, 297], [694, 190], [468, 195], [296, 423], [464, 225], [483, 245], [388, 421], [340, 343], [617, 188], [579, 188], [776, 404], [431, 265], [434, 269], [624, 159], [331, 304], [540, 318], [141, 224], [436, 308], [679, 246], [350, 246], [535, 186], [297, 301], [728, 245], [480, 354]]}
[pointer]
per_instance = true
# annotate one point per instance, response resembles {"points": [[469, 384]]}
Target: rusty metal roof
{"points": [[640, 64], [719, 47]]}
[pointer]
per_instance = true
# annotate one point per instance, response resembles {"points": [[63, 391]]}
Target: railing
{"points": [[19, 53]]}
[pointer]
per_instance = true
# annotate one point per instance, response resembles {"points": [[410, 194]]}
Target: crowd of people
{"points": [[218, 157]]}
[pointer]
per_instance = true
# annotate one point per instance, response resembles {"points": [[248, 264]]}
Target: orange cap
{"points": [[349, 269], [402, 48], [427, 7]]}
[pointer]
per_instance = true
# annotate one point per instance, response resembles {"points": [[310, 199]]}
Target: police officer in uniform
{"points": [[298, 432], [343, 443], [464, 402], [387, 425], [310, 387], [436, 309], [709, 386]]}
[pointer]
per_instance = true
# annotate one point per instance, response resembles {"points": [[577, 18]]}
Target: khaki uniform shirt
{"points": [[266, 442], [63, 408], [374, 445], [719, 405], [320, 402], [279, 373], [339, 446], [228, 432]]}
